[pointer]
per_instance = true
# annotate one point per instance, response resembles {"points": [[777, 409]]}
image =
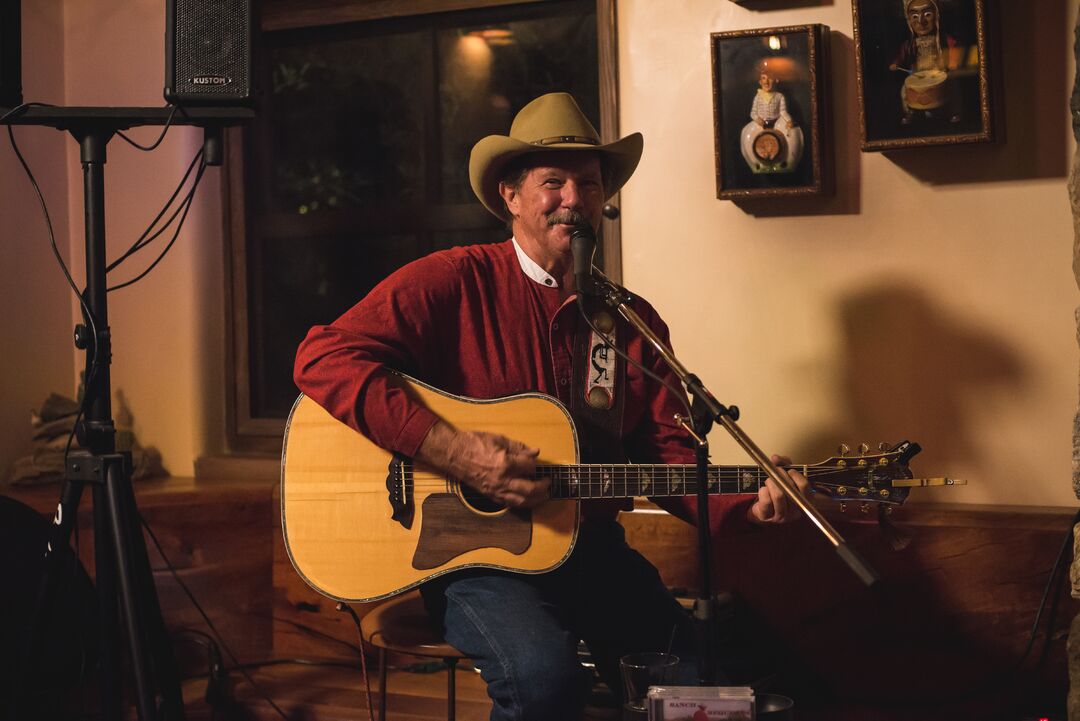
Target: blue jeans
{"points": [[522, 631]]}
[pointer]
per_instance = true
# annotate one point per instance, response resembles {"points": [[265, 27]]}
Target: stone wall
{"points": [[1074, 198]]}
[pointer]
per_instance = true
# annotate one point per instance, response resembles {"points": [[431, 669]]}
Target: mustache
{"points": [[566, 217]]}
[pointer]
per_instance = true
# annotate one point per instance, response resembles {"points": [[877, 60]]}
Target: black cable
{"points": [[207, 639], [1003, 677], [21, 109], [186, 206], [318, 662], [206, 618], [1059, 570], [342, 606], [318, 634], [142, 241], [148, 148], [92, 357], [217, 675], [52, 235]]}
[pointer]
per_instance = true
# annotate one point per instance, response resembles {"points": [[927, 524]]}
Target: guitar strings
{"points": [[588, 475], [729, 480]]}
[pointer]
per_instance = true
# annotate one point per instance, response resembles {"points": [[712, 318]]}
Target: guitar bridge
{"points": [[399, 490]]}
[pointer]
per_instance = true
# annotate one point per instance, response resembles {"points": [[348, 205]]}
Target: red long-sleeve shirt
{"points": [[470, 321]]}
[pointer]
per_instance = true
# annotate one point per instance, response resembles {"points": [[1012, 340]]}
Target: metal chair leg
{"points": [[382, 684], [451, 688]]}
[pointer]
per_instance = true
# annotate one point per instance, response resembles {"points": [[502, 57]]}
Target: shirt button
{"points": [[548, 281], [563, 381], [554, 326]]}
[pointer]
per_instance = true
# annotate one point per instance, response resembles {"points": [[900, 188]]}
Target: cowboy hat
{"points": [[550, 122]]}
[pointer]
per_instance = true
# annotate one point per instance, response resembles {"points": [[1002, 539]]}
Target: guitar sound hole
{"points": [[478, 501]]}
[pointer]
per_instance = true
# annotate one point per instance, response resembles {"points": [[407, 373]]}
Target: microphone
{"points": [[582, 248]]}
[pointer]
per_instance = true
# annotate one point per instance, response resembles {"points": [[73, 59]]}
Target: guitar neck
{"points": [[604, 480]]}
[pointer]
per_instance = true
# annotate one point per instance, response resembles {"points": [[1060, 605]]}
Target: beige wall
{"points": [[826, 321], [932, 299], [35, 324], [168, 340], [168, 343]]}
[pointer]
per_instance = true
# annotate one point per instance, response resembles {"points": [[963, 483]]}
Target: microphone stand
{"points": [[706, 410]]}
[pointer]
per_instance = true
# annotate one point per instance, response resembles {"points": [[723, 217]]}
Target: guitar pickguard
{"points": [[449, 529]]}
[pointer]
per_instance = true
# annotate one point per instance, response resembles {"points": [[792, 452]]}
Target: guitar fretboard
{"points": [[605, 480]]}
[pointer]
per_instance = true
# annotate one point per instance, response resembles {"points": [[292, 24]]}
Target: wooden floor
{"points": [[333, 693]]}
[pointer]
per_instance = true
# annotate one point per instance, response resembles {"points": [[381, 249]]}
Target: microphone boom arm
{"points": [[618, 298]]}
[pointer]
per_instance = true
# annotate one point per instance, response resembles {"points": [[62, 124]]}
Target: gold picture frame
{"points": [[770, 112], [923, 73]]}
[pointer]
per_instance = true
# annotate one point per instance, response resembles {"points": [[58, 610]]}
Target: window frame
{"points": [[246, 434]]}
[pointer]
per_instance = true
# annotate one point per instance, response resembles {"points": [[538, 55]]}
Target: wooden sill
{"points": [[155, 493], [255, 467]]}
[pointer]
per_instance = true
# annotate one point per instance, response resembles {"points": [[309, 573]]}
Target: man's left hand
{"points": [[772, 506]]}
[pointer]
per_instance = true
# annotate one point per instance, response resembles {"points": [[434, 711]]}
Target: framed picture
{"points": [[769, 111], [922, 72]]}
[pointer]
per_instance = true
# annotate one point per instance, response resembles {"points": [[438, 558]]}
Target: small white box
{"points": [[700, 703]]}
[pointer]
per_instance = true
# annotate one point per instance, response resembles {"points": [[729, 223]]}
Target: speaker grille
{"points": [[211, 51]]}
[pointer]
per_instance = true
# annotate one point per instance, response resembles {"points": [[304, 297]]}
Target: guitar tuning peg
{"points": [[843, 449], [883, 446], [864, 448]]}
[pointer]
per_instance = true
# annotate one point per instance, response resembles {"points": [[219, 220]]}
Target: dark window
{"points": [[358, 163]]}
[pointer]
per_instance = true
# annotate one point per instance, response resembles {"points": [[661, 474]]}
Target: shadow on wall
{"points": [[908, 371], [1031, 108], [767, 5]]}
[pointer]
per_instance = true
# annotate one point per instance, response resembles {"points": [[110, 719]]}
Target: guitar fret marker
{"points": [[747, 481]]}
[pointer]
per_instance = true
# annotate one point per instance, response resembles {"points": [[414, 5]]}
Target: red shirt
{"points": [[471, 322]]}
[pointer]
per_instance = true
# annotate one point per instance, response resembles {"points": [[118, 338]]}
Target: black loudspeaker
{"points": [[10, 54], [208, 52]]}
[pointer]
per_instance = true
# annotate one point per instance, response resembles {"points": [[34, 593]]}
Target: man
{"points": [[493, 320]]}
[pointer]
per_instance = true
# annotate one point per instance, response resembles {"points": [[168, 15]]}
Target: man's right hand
{"points": [[499, 467]]}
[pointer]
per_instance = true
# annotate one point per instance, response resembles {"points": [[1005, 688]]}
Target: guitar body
{"points": [[362, 524], [337, 512]]}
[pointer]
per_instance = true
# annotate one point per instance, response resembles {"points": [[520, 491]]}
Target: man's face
{"points": [[564, 189], [766, 82], [922, 17]]}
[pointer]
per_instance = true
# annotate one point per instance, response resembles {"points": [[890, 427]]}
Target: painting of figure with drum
{"points": [[767, 110], [922, 72]]}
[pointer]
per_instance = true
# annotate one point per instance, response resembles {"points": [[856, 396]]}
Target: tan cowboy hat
{"points": [[551, 122]]}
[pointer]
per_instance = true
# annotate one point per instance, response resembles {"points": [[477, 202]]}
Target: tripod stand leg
{"points": [[108, 608], [148, 640]]}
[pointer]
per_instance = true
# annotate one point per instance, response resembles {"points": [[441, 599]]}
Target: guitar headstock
{"points": [[870, 479]]}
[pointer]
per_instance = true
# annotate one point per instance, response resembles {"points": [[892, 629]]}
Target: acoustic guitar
{"points": [[362, 523]]}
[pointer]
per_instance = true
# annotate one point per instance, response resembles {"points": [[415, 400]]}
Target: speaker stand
{"points": [[124, 581]]}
